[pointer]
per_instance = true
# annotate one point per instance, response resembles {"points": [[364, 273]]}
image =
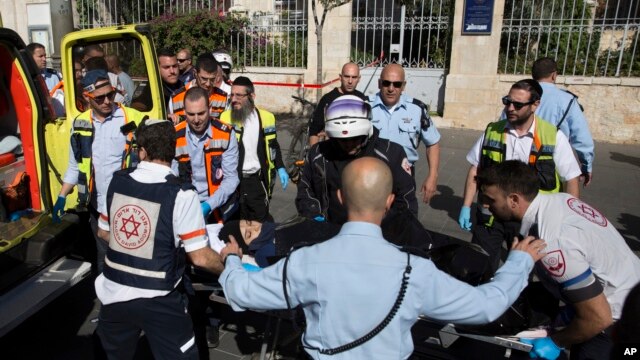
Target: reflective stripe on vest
{"points": [[540, 157], [268, 122], [217, 100], [81, 143], [213, 149]]}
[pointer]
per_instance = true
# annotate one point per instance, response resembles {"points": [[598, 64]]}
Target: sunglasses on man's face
{"points": [[396, 84], [182, 60], [506, 101], [100, 98]]}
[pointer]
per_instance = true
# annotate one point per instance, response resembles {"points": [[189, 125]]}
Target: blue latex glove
{"points": [[464, 220], [319, 218], [206, 209], [16, 215], [543, 348], [251, 267], [58, 208], [284, 178]]}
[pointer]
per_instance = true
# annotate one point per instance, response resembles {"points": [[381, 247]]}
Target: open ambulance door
{"points": [[133, 46]]}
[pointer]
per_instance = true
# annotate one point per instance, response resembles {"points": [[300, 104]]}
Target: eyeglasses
{"points": [[241, 96], [396, 84], [100, 98], [182, 60], [516, 104]]}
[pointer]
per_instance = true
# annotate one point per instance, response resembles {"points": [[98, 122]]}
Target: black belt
{"points": [[246, 176]]}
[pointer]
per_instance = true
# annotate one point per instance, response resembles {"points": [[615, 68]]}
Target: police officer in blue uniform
{"points": [[561, 108], [406, 121], [51, 76], [155, 224], [360, 293]]}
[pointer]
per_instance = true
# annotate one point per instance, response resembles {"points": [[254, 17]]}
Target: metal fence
{"points": [[585, 37], [417, 35], [273, 37]]}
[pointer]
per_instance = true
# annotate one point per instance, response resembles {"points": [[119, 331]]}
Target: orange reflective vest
{"points": [[217, 100], [213, 149]]}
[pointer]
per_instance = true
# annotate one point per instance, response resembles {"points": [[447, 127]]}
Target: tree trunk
{"points": [[319, 64]]}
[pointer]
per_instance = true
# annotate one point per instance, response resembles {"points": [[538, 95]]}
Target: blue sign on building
{"points": [[478, 17]]}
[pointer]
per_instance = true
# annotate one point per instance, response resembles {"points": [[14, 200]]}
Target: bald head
{"points": [[394, 69], [391, 84], [349, 77], [366, 187]]}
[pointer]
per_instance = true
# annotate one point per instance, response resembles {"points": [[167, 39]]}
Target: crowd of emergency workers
{"points": [[195, 189]]}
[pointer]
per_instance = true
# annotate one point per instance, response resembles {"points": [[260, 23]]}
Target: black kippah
{"points": [[243, 81]]}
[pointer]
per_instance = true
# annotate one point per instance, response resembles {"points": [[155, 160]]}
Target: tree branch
{"points": [[328, 6]]}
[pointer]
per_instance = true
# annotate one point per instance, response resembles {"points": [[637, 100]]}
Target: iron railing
{"points": [[417, 35], [275, 37], [585, 37]]}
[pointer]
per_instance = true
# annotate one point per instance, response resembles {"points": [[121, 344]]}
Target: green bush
{"points": [[202, 31], [205, 31]]}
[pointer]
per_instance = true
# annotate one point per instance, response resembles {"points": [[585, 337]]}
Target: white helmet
{"points": [[348, 116], [224, 59]]}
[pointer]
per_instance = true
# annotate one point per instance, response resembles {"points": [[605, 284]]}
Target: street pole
{"points": [[61, 24]]}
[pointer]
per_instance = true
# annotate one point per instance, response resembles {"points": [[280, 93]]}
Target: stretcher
{"points": [[435, 340]]}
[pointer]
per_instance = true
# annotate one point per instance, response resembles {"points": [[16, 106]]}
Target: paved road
{"points": [[63, 329]]}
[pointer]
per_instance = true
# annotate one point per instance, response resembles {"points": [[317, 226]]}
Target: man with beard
{"points": [[351, 136], [101, 144], [588, 265], [349, 79], [525, 137], [259, 151], [209, 78]]}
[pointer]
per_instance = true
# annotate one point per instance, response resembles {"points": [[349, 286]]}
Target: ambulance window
{"points": [[125, 63]]}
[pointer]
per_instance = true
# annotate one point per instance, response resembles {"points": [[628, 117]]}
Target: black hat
{"points": [[243, 81]]}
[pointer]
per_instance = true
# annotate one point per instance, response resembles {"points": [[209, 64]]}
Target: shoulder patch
{"points": [[220, 125], [575, 98], [587, 212], [554, 263], [425, 119]]}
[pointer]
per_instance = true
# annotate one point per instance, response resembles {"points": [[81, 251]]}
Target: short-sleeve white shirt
{"points": [[519, 148], [582, 247]]}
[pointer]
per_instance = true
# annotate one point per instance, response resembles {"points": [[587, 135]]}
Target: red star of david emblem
{"points": [[587, 210], [128, 224]]}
